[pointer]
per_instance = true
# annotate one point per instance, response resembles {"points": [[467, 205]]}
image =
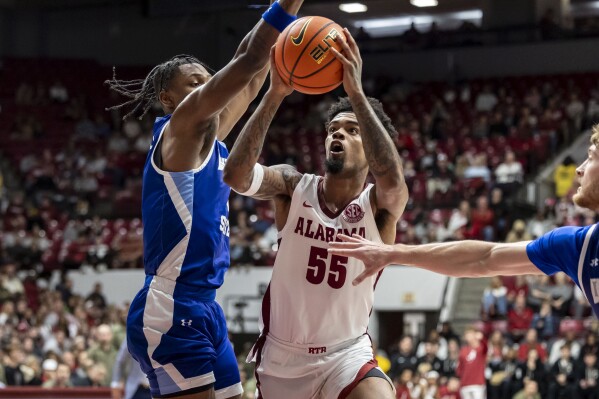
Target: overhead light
{"points": [[424, 3], [353, 7]]}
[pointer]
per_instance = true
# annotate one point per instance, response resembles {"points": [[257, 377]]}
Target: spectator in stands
{"points": [[518, 232], [561, 294], [471, 366], [446, 332], [530, 343], [532, 369], [97, 375], [519, 286], [403, 384], [49, 367], [441, 177], [592, 115], [117, 143], [502, 211], [498, 127], [495, 299], [509, 174], [530, 391], [460, 217], [58, 92], [538, 291], [404, 358], [533, 98], [562, 378], [430, 357], [478, 169], [24, 95], [96, 297], [13, 363], [587, 374], [575, 113], [61, 378], [486, 100], [496, 348], [131, 128], [580, 304], [482, 218], [545, 322], [564, 176], [462, 163], [451, 390], [519, 318], [450, 363], [590, 343], [431, 384], [481, 128], [10, 280], [85, 129], [79, 376], [103, 353], [432, 336], [501, 381], [541, 224]]}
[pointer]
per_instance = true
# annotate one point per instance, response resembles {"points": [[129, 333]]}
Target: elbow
{"points": [[233, 180], [229, 177]]}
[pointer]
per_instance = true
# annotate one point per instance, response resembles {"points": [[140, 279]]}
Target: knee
{"points": [[372, 388]]}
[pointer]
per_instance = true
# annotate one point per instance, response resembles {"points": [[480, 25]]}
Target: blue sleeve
{"points": [[558, 251]]}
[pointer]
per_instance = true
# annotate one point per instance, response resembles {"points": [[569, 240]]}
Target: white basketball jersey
{"points": [[311, 300]]}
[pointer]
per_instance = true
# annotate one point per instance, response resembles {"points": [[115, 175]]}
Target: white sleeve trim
{"points": [[256, 181]]}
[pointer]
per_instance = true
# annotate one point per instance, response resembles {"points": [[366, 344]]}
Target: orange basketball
{"points": [[303, 57]]}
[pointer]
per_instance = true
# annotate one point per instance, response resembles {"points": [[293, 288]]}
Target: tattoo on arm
{"points": [[248, 146], [380, 151], [278, 180]]}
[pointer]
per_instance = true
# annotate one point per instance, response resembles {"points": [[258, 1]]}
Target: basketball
{"points": [[303, 58]]}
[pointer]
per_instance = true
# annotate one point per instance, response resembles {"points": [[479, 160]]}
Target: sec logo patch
{"points": [[353, 213]]}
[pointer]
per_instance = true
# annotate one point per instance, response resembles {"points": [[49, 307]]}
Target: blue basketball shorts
{"points": [[179, 336]]}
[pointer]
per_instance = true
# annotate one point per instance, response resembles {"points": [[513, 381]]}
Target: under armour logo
{"points": [[186, 323], [595, 262]]}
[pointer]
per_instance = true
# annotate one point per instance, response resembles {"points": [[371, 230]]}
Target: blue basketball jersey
{"points": [[574, 251], [185, 218]]}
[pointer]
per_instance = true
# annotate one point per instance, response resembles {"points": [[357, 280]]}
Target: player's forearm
{"points": [[261, 39], [457, 259], [239, 168], [383, 159]]}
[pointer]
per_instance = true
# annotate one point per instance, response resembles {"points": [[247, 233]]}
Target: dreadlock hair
{"points": [[143, 92], [343, 105]]}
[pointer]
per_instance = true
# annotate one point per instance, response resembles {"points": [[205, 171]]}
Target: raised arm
{"points": [[237, 107], [211, 98], [458, 258], [391, 192], [241, 171]]}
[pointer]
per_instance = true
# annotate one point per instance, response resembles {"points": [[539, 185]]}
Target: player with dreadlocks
{"points": [[175, 328]]}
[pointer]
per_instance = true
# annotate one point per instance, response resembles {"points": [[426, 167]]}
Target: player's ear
{"points": [[166, 99]]}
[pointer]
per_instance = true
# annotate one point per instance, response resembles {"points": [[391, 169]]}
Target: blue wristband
{"points": [[278, 18]]}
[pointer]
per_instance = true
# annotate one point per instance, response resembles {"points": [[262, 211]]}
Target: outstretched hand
{"points": [[277, 85], [374, 255], [352, 64]]}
